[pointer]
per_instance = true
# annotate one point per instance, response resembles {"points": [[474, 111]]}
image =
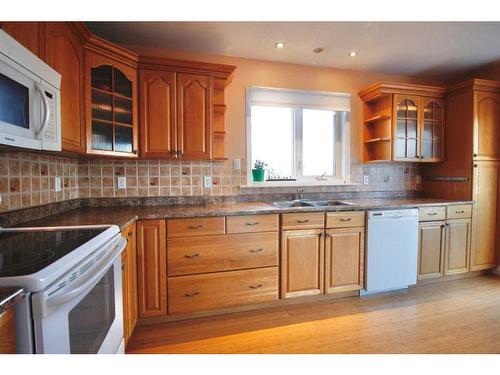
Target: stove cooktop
{"points": [[27, 252]]}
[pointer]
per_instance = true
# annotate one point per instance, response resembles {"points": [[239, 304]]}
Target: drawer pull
{"points": [[130, 234], [191, 256], [191, 295], [432, 213], [303, 221], [256, 286], [345, 219], [459, 212], [255, 250], [195, 226], [254, 223]]}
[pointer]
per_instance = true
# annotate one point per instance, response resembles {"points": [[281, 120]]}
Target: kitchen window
{"points": [[302, 136]]}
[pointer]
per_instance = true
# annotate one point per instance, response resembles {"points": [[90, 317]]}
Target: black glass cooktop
{"points": [[25, 253]]}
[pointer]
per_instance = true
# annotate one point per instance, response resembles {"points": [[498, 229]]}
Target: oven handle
{"points": [[46, 111], [90, 278]]}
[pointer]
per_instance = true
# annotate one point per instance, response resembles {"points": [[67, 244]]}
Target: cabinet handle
{"points": [[432, 213], [195, 226], [475, 165], [254, 223], [474, 155], [136, 152], [459, 212], [345, 219], [129, 234], [256, 286], [191, 295], [255, 250], [123, 266], [303, 221], [191, 256]]}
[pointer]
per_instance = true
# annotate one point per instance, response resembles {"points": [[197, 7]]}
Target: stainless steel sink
{"points": [[308, 203], [295, 203], [333, 203]]}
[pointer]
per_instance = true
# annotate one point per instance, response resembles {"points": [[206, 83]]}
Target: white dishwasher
{"points": [[391, 250]]}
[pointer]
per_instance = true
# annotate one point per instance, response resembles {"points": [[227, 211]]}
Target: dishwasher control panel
{"points": [[392, 213]]}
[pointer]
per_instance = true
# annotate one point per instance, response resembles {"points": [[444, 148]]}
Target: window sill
{"points": [[298, 183]]}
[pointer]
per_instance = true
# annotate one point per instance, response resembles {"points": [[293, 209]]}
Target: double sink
{"points": [[311, 203]]}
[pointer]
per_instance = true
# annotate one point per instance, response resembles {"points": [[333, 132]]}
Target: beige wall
{"points": [[271, 74]]}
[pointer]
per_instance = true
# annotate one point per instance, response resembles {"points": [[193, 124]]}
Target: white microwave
{"points": [[30, 113]]}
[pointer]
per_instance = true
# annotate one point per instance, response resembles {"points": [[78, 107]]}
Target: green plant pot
{"points": [[258, 175]]}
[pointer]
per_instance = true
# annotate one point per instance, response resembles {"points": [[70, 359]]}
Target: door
{"points": [[486, 125], [457, 246], [406, 117], [158, 120], [64, 53], [152, 268], [485, 195], [431, 242], [344, 259], [302, 267], [194, 116], [432, 129], [111, 107], [26, 33], [129, 281]]}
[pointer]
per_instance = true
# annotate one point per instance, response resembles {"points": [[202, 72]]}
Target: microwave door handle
{"points": [[83, 284], [46, 111]]}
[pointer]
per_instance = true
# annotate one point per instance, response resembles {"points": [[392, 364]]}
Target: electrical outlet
{"points": [[207, 181], [366, 179], [122, 182], [236, 164], [58, 184]]}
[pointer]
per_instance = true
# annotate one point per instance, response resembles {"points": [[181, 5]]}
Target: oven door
{"points": [[21, 105], [84, 316]]}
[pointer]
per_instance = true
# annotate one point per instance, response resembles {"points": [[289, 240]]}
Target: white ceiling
{"points": [[431, 50]]}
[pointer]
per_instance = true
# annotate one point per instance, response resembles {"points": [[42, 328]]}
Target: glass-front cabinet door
{"points": [[112, 128], [406, 131], [432, 130]]}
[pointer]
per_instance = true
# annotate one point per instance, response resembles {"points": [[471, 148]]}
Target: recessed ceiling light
{"points": [[280, 45], [318, 50], [352, 54]]}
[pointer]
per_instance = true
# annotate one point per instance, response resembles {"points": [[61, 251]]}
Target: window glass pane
{"points": [[272, 138], [318, 144]]}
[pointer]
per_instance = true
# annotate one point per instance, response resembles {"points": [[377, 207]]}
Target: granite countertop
{"points": [[9, 296], [124, 216]]}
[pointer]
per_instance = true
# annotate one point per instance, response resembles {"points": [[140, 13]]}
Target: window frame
{"points": [[341, 148]]}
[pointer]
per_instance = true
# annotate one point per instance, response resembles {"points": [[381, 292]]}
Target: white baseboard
{"points": [[496, 271]]}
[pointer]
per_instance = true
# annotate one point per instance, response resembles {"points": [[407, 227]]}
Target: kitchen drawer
{"points": [[306, 220], [459, 211], [251, 223], [345, 219], [188, 294], [197, 226], [192, 255], [432, 213]]}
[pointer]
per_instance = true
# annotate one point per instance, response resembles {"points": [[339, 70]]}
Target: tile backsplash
{"points": [[28, 179]]}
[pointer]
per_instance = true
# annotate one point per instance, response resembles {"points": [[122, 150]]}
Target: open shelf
{"points": [[378, 140], [377, 118]]}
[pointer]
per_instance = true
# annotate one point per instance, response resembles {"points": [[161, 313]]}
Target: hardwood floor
{"points": [[461, 316]]}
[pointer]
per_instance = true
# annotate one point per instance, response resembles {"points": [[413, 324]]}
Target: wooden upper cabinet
{"points": [[194, 116], [486, 125], [64, 52], [432, 125], [158, 113], [111, 106], [26, 33], [406, 129], [302, 263], [486, 174]]}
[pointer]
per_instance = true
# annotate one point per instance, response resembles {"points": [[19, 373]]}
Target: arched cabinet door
{"points": [[406, 129], [194, 116], [432, 130], [158, 120], [486, 126], [111, 107]]}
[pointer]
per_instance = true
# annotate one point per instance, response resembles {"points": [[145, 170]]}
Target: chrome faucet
{"points": [[300, 194], [323, 176]]}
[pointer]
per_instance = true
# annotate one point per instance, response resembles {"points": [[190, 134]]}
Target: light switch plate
{"points": [[236, 164], [366, 179], [122, 182], [57, 184], [207, 181]]}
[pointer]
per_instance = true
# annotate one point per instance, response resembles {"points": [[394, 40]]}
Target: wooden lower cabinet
{"points": [[152, 268], [344, 259], [302, 263], [431, 249], [129, 282], [458, 232], [7, 332], [219, 290]]}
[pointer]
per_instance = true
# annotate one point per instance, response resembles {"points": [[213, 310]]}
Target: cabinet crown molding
{"points": [[386, 88], [475, 84]]}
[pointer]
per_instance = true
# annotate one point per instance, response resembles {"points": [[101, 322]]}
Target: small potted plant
{"points": [[258, 171]]}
